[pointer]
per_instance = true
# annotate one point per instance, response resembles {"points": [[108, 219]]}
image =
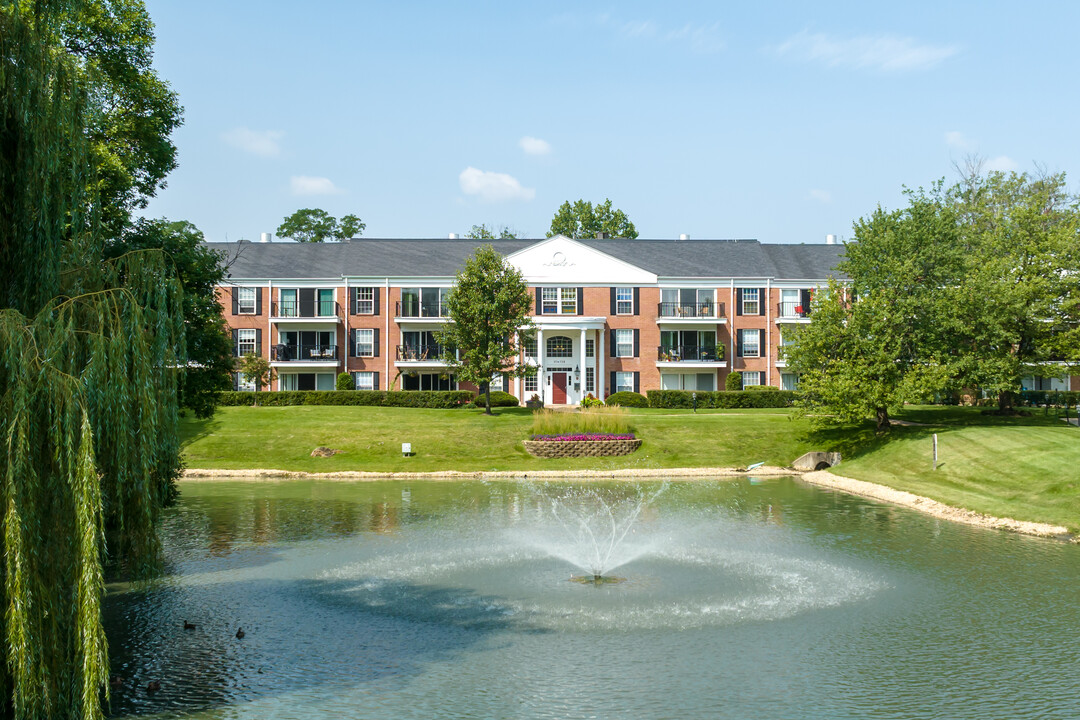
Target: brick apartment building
{"points": [[610, 314]]}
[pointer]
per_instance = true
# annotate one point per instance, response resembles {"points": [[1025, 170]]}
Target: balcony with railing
{"points": [[793, 311], [304, 353], [317, 310], [431, 353], [668, 311], [416, 310], [690, 354]]}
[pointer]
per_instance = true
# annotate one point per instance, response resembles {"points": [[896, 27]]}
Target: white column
{"points": [[601, 375], [541, 384], [768, 333], [581, 376]]}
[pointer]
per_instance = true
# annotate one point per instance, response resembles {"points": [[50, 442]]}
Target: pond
{"points": [[737, 599]]}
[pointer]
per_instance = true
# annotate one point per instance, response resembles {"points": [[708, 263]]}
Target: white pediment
{"points": [[560, 260]]}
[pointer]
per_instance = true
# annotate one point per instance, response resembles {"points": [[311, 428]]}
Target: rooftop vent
{"points": [[684, 236], [602, 235], [266, 237], [452, 236], [830, 239]]}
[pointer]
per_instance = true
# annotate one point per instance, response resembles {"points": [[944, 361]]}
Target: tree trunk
{"points": [[882, 419], [1005, 401], [487, 399]]}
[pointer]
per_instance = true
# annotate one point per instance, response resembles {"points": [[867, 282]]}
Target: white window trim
{"points": [[747, 375], [241, 309], [743, 334], [621, 345], [245, 337], [756, 301], [361, 344], [370, 380], [628, 301], [362, 302], [624, 382]]}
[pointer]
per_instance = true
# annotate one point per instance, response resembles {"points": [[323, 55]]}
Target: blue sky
{"points": [[781, 121]]}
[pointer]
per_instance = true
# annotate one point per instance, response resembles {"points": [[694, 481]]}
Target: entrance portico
{"points": [[570, 358]]}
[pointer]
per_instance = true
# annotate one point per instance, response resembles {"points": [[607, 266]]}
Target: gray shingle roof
{"points": [[443, 258]]}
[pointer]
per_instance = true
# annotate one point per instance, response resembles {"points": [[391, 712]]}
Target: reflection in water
{"points": [[419, 600]]}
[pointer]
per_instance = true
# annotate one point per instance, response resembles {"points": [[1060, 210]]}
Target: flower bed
{"points": [[582, 445], [591, 437]]}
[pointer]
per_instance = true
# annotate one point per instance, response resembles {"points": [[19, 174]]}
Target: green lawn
{"points": [[467, 440], [1025, 468]]}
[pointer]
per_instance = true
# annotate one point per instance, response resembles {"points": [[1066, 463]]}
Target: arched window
{"points": [[560, 346]]}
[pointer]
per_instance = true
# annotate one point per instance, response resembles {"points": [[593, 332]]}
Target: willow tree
{"points": [[89, 354]]}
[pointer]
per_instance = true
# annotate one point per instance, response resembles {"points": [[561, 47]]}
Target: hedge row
{"points": [[498, 399], [721, 399], [627, 398], [383, 398]]}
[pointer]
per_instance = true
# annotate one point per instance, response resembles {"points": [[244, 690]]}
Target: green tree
{"points": [[256, 369], [201, 271], [90, 347], [350, 226], [315, 225], [483, 232], [1019, 311], [583, 220], [888, 338], [491, 307]]}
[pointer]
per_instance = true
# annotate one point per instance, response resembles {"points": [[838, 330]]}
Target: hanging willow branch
{"points": [[89, 356]]}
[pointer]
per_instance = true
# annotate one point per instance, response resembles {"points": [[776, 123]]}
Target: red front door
{"points": [[558, 388]]}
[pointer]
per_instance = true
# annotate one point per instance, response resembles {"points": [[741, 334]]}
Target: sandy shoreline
{"points": [[822, 478]]}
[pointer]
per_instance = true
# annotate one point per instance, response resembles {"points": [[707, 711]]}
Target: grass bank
{"points": [[467, 440], [1024, 468]]}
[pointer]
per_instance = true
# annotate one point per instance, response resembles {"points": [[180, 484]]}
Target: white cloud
{"points": [[308, 185], [878, 52], [493, 186], [822, 196], [1001, 163], [703, 39], [534, 146], [958, 140], [257, 142]]}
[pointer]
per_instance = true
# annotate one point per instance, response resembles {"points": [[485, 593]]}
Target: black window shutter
{"points": [[539, 307], [258, 301], [612, 388], [637, 301], [375, 381], [804, 300], [354, 300], [236, 381], [763, 297], [738, 301], [761, 343], [581, 301], [637, 382], [375, 352], [614, 353], [614, 307], [258, 342], [637, 342], [738, 343], [236, 341], [235, 300], [375, 300], [351, 343]]}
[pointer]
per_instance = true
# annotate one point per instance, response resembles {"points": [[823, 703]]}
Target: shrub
{"points": [[734, 381], [345, 382], [591, 401], [767, 397], [628, 399], [379, 398], [498, 399], [591, 421]]}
